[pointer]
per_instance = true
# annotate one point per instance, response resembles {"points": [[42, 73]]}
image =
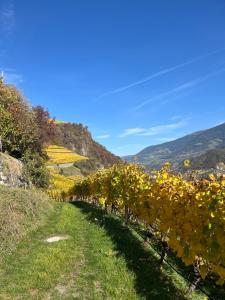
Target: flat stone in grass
{"points": [[56, 238], [61, 289]]}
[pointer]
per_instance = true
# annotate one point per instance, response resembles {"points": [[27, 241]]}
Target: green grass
{"points": [[101, 260], [70, 171]]}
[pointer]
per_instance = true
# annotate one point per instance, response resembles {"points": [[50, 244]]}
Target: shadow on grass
{"points": [[151, 283]]}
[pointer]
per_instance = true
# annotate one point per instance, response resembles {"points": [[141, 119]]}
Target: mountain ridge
{"points": [[186, 147]]}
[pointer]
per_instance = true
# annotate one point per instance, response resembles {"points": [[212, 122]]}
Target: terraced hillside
{"points": [[62, 170], [59, 155]]}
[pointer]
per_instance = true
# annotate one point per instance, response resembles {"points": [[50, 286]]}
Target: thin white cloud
{"points": [[132, 131], [155, 130], [160, 73], [186, 86], [104, 136], [177, 117], [164, 128], [7, 18], [220, 123], [11, 76], [14, 78]]}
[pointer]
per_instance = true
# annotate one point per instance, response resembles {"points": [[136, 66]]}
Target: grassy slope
{"points": [[20, 211], [100, 260]]}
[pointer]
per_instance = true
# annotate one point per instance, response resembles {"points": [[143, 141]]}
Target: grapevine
{"points": [[188, 214]]}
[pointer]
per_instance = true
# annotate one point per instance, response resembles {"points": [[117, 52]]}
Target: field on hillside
{"points": [[60, 155], [60, 184]]}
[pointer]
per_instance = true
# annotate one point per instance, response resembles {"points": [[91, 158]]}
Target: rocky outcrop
{"points": [[77, 137], [11, 172]]}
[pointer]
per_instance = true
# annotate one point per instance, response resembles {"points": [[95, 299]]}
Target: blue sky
{"points": [[137, 73]]}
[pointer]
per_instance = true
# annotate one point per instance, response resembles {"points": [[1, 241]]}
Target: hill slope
{"points": [[209, 160], [187, 147], [20, 212], [76, 137]]}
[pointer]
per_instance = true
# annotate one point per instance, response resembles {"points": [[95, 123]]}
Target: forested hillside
{"points": [[211, 159], [77, 138]]}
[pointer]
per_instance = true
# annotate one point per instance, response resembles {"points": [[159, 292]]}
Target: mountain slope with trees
{"points": [[187, 147], [77, 137], [212, 159]]}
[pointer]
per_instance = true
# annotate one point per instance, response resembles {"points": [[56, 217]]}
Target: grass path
{"points": [[100, 260]]}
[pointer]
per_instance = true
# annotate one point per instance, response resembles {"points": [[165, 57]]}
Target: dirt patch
{"points": [[61, 289]]}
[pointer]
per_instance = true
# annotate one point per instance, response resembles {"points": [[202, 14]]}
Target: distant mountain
{"points": [[187, 147]]}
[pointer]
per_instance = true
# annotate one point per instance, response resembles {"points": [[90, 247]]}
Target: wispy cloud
{"points": [[11, 76], [160, 73], [104, 136], [183, 87], [132, 131], [219, 123], [7, 18], [155, 130], [177, 117]]}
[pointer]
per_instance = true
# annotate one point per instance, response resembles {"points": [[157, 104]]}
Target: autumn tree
{"points": [[46, 125], [18, 128], [21, 133]]}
